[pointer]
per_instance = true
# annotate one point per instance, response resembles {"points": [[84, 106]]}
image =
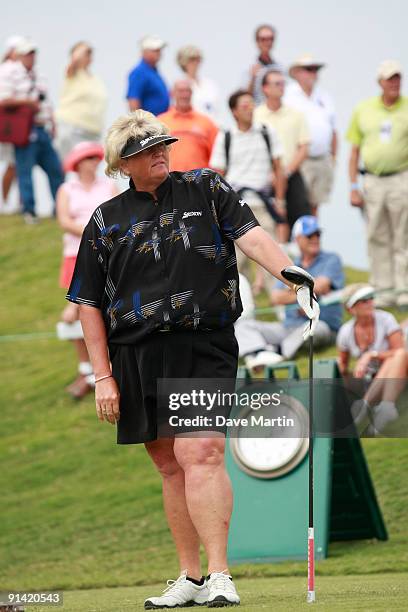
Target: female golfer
{"points": [[158, 289], [375, 338]]}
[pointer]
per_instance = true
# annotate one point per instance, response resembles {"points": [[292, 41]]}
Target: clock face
{"points": [[273, 454]]}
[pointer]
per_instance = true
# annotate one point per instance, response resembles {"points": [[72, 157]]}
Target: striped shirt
{"points": [[19, 83]]}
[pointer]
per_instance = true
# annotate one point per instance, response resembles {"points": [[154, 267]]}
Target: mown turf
{"points": [[355, 593], [78, 511]]}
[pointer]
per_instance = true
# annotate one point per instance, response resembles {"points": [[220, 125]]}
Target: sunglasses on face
{"points": [[314, 235], [266, 38]]}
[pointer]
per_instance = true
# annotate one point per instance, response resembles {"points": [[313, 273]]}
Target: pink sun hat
{"points": [[81, 151]]}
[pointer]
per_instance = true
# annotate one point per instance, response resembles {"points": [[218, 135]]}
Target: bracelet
{"points": [[102, 378]]}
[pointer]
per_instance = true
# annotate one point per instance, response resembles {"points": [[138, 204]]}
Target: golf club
{"points": [[296, 275]]}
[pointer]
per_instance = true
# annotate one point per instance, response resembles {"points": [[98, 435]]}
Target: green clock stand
{"points": [[270, 517]]}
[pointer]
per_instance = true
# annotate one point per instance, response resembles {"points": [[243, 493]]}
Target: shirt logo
{"points": [[192, 213], [242, 202]]}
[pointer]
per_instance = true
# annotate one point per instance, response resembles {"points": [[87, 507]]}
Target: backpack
{"points": [[227, 145]]}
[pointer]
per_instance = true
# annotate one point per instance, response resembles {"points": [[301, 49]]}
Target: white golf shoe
{"points": [[180, 593], [222, 591]]}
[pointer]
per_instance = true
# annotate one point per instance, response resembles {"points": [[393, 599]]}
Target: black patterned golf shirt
{"points": [[164, 264]]}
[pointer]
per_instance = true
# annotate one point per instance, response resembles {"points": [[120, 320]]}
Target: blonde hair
{"points": [[187, 53], [134, 126]]}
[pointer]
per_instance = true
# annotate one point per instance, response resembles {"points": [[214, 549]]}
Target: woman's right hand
{"points": [[361, 365], [107, 398]]}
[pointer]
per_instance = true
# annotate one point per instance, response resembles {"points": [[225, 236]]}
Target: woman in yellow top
{"points": [[81, 110]]}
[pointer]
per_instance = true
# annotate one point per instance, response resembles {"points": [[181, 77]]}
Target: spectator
{"points": [[379, 133], [306, 96], [76, 201], [21, 85], [265, 36], [7, 150], [249, 158], [82, 105], [375, 338], [287, 337], [293, 133], [205, 91], [196, 131], [146, 87]]}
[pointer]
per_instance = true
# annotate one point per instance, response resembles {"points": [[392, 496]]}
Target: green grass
{"points": [[80, 512], [356, 593]]}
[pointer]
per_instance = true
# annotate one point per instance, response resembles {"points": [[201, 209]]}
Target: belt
{"points": [[318, 157], [384, 174]]}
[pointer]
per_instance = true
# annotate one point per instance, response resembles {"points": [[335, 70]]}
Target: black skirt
{"points": [[166, 355]]}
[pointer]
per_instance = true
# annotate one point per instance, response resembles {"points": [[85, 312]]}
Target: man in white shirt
{"points": [[306, 96], [249, 158], [20, 85]]}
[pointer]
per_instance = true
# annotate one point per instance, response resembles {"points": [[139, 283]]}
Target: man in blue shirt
{"points": [[146, 87], [259, 342]]}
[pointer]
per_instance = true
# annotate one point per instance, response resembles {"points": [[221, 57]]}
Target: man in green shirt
{"points": [[378, 133]]}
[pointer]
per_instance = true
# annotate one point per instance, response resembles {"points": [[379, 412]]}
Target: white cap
{"points": [[388, 68], [12, 42], [152, 43], [362, 293], [25, 46], [304, 61]]}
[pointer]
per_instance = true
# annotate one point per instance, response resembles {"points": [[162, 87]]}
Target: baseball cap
{"points": [[81, 151], [306, 226], [359, 292], [11, 43], [152, 43], [388, 68], [136, 146], [25, 46], [304, 61]]}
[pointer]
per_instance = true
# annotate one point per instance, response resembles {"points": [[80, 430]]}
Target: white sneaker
{"points": [[383, 413], [262, 359], [180, 593], [222, 591]]}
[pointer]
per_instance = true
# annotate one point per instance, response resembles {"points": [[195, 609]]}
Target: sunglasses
{"points": [[315, 234], [266, 38]]}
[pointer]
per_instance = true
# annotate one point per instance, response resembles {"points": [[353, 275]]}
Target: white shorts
{"points": [[7, 153]]}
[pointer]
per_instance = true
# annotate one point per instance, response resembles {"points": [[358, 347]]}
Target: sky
{"points": [[351, 37]]}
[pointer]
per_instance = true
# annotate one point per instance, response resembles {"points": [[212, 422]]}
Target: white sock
{"points": [[85, 368], [384, 413]]}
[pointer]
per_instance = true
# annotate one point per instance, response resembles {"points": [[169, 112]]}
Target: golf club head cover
{"points": [[311, 311]]}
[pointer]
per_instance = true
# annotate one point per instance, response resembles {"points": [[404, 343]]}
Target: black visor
{"points": [[136, 146]]}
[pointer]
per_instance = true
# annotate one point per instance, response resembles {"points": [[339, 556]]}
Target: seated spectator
{"points": [[21, 85], [146, 86], [376, 340], [287, 337], [265, 36], [249, 158], [76, 201], [205, 91], [195, 130], [82, 105]]}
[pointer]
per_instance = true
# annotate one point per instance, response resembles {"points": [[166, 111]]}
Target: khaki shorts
{"points": [[318, 174]]}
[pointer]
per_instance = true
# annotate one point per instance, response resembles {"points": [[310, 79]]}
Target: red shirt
{"points": [[196, 133]]}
